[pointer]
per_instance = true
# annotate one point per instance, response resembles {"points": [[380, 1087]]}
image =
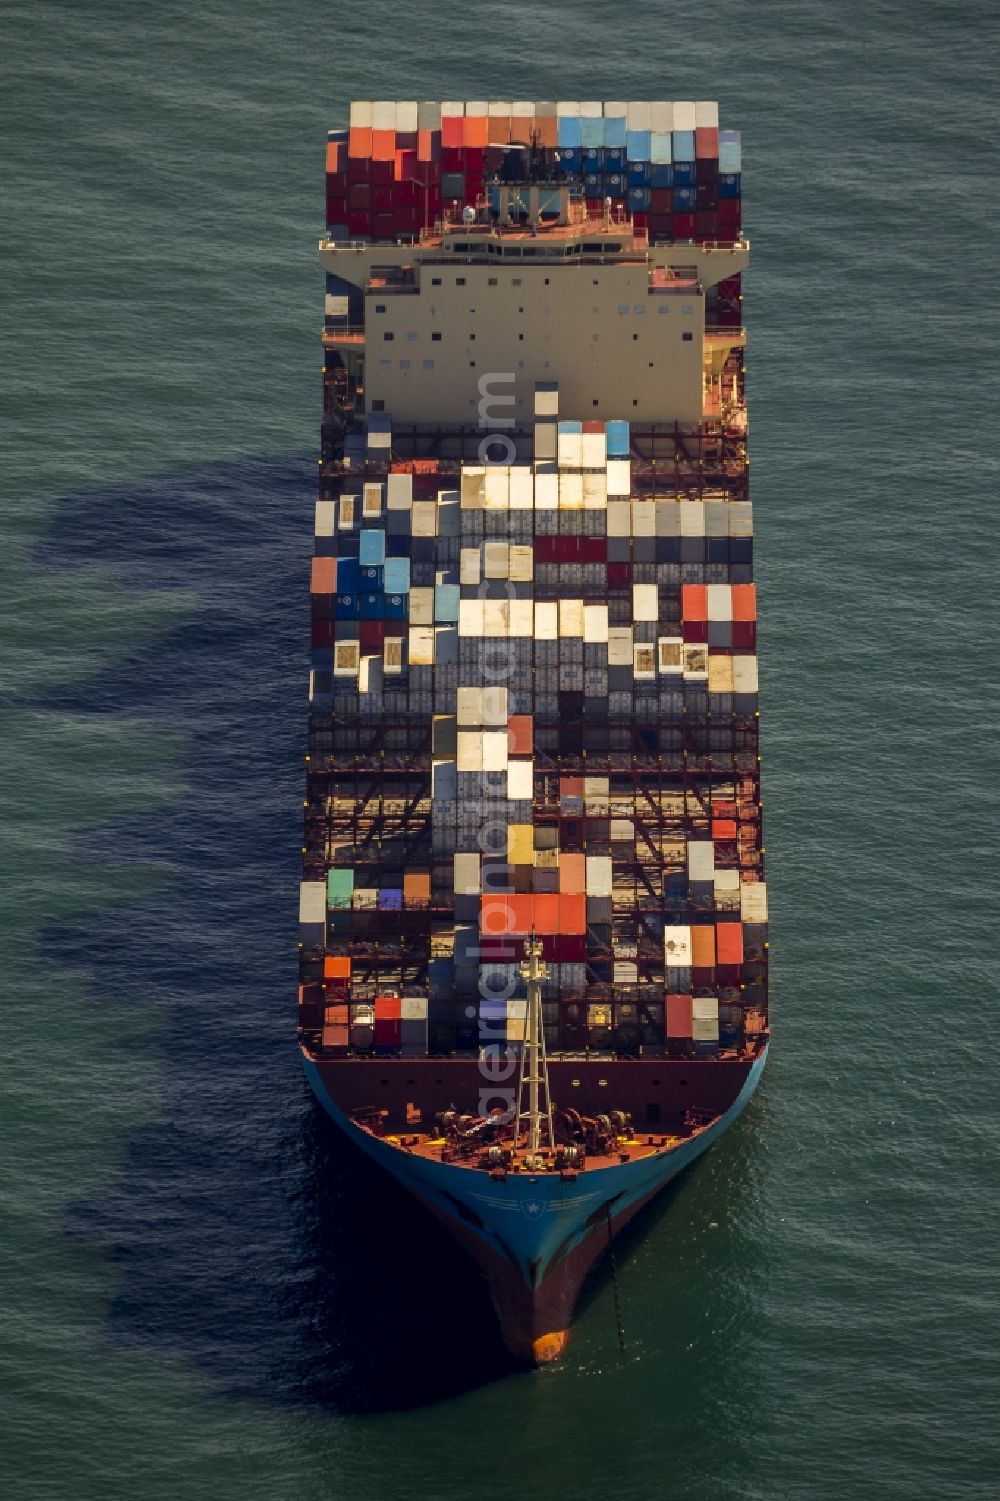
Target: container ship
{"points": [[533, 939]]}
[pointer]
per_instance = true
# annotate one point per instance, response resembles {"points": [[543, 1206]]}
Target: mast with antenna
{"points": [[534, 1074]]}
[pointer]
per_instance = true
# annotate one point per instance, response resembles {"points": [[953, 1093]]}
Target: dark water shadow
{"points": [[243, 1231]]}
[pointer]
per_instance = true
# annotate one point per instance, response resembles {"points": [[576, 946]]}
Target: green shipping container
{"points": [[339, 888]]}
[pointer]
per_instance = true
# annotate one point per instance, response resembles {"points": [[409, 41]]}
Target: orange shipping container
{"points": [[383, 145], [548, 131], [679, 1016], [521, 127], [387, 1008], [335, 1037], [694, 601], [452, 131], [519, 735], [723, 828], [416, 887], [336, 968], [499, 915], [337, 1015], [335, 156], [572, 913], [499, 130], [323, 579], [571, 786], [359, 141], [703, 948], [428, 145], [729, 942], [545, 912], [572, 874], [744, 601], [475, 131]]}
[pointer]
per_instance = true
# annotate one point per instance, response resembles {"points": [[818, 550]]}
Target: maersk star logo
{"points": [[533, 1208]]}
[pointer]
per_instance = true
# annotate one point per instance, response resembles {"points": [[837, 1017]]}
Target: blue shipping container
{"points": [[729, 185], [638, 144], [683, 146], [684, 174], [615, 159], [617, 439], [347, 607], [372, 548], [397, 575], [568, 131], [614, 131], [592, 131], [570, 158], [396, 607], [371, 606], [638, 200], [638, 174], [661, 175]]}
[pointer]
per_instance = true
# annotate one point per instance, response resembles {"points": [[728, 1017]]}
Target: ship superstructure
{"points": [[532, 865]]}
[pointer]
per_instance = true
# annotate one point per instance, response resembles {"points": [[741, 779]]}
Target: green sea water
{"points": [[203, 1296]]}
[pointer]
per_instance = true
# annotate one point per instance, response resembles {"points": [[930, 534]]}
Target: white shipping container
{"points": [[469, 561], [568, 107], [545, 445], [496, 560], [594, 450], [547, 403], [495, 750], [677, 946], [547, 622], [455, 107], [424, 518], [638, 114], [521, 617], [312, 901], [428, 114], [469, 706], [546, 489], [497, 489], [684, 114], [360, 115], [727, 890], [692, 518], [599, 875], [570, 450], [473, 486], [720, 602], [570, 491], [571, 617], [325, 518], [496, 617], [620, 645], [399, 492], [422, 606], [643, 518], [407, 115], [704, 1029], [470, 751], [701, 859], [645, 602], [522, 488], [741, 518], [421, 646], [668, 518], [753, 902], [720, 673], [661, 115], [744, 674], [619, 476], [706, 114], [384, 114], [716, 518], [619, 518], [520, 780], [595, 623], [466, 878], [470, 616], [522, 564], [595, 490]]}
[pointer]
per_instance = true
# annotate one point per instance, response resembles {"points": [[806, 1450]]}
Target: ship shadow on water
{"points": [[243, 1232]]}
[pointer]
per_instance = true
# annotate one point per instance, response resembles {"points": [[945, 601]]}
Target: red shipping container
{"points": [[562, 948], [473, 160], [383, 227], [694, 630], [409, 219], [384, 172], [387, 1008], [723, 828], [359, 222], [321, 632], [383, 145], [382, 198], [639, 220], [359, 196], [661, 201], [679, 1020], [519, 734], [694, 601], [595, 208], [387, 1033], [661, 226], [451, 160], [729, 943], [572, 913], [619, 575], [359, 169], [336, 1036], [406, 166], [571, 787], [452, 133], [545, 912], [336, 207], [684, 226], [706, 224], [371, 634], [359, 141], [594, 549], [745, 635], [545, 550], [706, 141], [730, 213]]}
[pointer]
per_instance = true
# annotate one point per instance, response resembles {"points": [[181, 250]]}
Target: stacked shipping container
{"points": [[402, 165]]}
